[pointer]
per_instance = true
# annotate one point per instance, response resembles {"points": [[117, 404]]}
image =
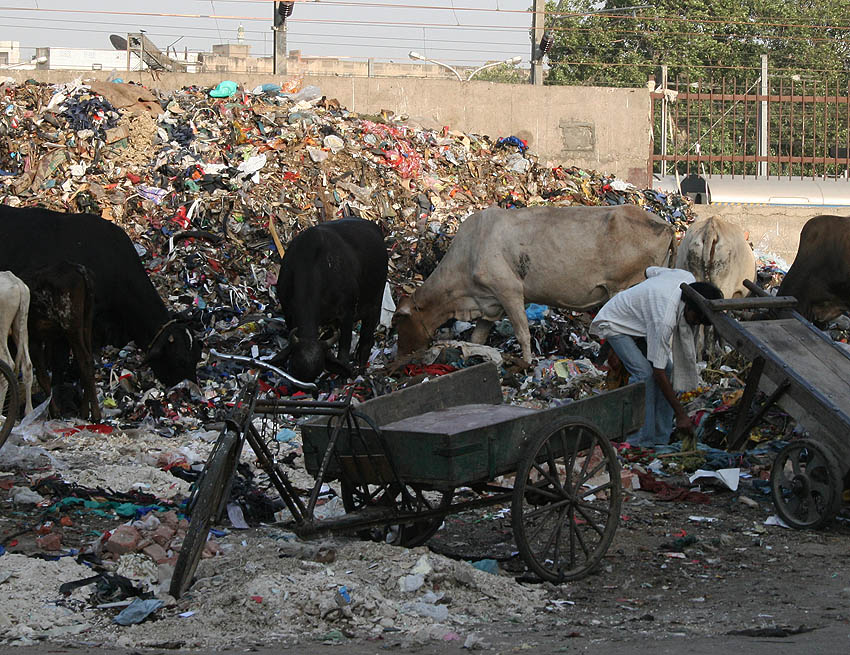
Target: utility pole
{"points": [[281, 11], [763, 119], [538, 23]]}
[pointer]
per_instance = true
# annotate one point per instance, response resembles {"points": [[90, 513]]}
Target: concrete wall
{"points": [[772, 229], [603, 129]]}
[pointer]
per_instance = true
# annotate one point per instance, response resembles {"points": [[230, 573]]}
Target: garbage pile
{"points": [[211, 189]]}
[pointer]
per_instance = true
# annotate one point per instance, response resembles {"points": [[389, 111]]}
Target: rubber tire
{"points": [[216, 476], [827, 504], [11, 406], [528, 504]]}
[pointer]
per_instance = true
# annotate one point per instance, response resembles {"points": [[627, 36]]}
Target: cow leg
{"points": [[368, 323], [85, 365], [39, 364], [514, 305], [346, 325], [481, 331], [20, 334]]}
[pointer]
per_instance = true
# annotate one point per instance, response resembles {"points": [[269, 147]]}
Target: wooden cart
{"points": [[802, 369], [398, 460]]}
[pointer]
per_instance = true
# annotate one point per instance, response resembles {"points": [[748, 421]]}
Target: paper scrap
{"points": [[729, 477], [775, 520]]}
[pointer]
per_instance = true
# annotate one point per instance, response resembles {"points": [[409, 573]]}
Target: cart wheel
{"points": [[412, 498], [8, 401], [806, 484], [566, 502], [206, 506]]}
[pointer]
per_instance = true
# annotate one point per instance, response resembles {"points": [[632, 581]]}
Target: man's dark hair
{"points": [[707, 291]]}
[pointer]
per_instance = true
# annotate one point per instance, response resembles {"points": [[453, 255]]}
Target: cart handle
{"points": [[765, 302], [265, 365]]}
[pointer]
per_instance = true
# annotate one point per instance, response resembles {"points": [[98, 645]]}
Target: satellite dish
{"points": [[118, 42]]}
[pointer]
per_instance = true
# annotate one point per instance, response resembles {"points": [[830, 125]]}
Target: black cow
{"points": [[127, 306], [819, 278], [332, 274]]}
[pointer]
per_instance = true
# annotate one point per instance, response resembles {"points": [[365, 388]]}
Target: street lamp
{"points": [[34, 60], [512, 61]]}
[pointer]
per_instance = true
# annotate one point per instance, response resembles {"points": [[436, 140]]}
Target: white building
{"points": [[10, 53], [92, 59]]}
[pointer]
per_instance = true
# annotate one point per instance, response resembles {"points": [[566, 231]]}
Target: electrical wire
{"points": [[644, 18]]}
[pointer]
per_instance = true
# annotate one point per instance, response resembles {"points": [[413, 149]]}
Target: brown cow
{"points": [[717, 251], [819, 278], [500, 259], [61, 317]]}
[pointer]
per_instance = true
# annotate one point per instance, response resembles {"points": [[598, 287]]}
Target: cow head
{"points": [[410, 326], [174, 352], [309, 357]]}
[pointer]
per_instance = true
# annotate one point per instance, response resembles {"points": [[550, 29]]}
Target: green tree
{"points": [[694, 38], [505, 74]]}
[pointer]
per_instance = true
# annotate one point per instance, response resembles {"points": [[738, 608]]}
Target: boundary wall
{"points": [[595, 128], [774, 230]]}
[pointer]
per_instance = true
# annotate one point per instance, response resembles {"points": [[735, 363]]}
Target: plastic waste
{"points": [[224, 89], [535, 312], [138, 611]]}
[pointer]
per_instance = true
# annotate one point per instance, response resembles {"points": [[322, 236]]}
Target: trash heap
{"points": [[211, 189]]}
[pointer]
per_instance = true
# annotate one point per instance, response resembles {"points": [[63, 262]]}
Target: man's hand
{"points": [[685, 423]]}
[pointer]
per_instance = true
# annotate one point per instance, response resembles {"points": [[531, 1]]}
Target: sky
{"points": [[456, 32]]}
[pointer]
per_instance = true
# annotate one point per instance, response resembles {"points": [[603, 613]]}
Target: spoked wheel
{"points": [[806, 484], [404, 498], [566, 502], [205, 507], [8, 401]]}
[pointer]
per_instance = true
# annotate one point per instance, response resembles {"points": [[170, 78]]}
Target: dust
{"points": [[33, 608]]}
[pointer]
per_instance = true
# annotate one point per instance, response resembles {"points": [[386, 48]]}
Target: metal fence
{"points": [[766, 126]]}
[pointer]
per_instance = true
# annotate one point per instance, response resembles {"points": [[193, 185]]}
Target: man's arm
{"points": [[683, 421]]}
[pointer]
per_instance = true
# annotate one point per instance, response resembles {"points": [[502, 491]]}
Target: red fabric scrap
{"points": [[668, 492], [99, 428], [432, 369]]}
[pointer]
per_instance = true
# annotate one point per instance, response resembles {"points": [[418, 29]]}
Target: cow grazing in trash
{"points": [[819, 278], [61, 320], [127, 306], [717, 251], [332, 274], [499, 260], [14, 309]]}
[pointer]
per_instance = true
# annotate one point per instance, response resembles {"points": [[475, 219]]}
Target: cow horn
{"points": [[331, 340]]}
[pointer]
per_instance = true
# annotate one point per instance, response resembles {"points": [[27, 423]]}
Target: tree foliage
{"points": [[695, 39]]}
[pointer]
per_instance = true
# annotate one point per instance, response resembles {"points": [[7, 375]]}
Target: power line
{"points": [[433, 25]]}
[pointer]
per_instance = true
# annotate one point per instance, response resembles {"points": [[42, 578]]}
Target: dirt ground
{"points": [[675, 570]]}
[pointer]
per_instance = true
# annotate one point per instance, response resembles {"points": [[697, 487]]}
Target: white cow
{"points": [[717, 251], [14, 311], [570, 257]]}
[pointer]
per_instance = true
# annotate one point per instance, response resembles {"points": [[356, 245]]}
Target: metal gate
{"points": [[767, 127]]}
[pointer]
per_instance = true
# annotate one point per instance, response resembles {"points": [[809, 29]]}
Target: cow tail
{"points": [[709, 248], [671, 251]]}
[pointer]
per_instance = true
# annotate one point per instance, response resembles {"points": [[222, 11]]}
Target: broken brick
{"points": [[125, 539], [52, 541]]}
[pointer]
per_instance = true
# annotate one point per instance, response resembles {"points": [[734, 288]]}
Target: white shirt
{"points": [[650, 309]]}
